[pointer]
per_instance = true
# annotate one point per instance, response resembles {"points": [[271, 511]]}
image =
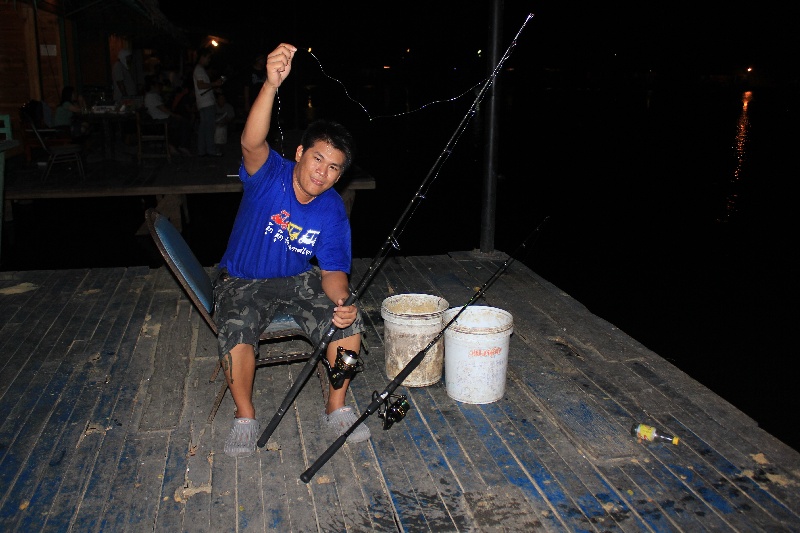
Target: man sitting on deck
{"points": [[288, 215]]}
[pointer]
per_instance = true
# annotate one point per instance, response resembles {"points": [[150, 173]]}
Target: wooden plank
{"points": [[663, 503], [84, 427], [587, 423], [414, 493], [33, 424], [17, 293], [448, 278], [279, 475], [765, 487], [35, 321], [43, 337], [597, 499], [301, 513], [170, 509], [726, 498], [164, 400], [75, 373], [536, 483], [119, 405], [127, 484], [337, 480], [489, 507], [195, 494], [151, 454]]}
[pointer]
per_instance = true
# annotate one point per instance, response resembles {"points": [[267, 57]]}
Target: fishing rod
{"points": [[345, 371], [399, 408]]}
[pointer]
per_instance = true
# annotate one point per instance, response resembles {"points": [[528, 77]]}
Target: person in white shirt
{"points": [[124, 86], [204, 96], [180, 131]]}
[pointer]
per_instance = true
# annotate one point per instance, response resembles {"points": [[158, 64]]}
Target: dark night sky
{"points": [[711, 37]]}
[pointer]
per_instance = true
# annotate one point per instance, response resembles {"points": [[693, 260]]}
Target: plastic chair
{"points": [[32, 114], [195, 281], [65, 153], [149, 130], [5, 128]]}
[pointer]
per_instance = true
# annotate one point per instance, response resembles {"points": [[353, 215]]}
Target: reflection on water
{"points": [[742, 128]]}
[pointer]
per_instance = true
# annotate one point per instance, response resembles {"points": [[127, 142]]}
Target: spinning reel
{"points": [[346, 366], [394, 412]]}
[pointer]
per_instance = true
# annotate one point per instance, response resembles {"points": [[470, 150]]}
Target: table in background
{"points": [[106, 120]]}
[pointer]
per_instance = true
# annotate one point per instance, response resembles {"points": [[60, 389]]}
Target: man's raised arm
{"points": [[255, 149]]}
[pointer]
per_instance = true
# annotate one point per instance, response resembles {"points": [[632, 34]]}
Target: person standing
{"points": [[206, 109], [289, 214], [124, 86]]}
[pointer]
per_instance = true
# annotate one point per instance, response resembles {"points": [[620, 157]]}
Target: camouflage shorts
{"points": [[243, 308]]}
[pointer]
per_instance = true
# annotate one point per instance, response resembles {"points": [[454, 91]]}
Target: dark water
{"points": [[671, 216]]}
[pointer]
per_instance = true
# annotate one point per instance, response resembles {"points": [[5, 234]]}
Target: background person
{"points": [[68, 113], [180, 130], [204, 98], [124, 86]]}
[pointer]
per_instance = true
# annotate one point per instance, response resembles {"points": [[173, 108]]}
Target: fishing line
{"points": [[391, 242], [484, 82], [369, 115]]}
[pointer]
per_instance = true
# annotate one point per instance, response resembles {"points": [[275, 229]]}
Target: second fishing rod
{"points": [[347, 363]]}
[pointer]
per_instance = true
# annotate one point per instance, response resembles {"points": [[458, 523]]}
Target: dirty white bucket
{"points": [[476, 354], [411, 321]]}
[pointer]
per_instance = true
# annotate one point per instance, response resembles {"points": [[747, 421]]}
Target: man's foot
{"points": [[241, 441], [341, 419]]}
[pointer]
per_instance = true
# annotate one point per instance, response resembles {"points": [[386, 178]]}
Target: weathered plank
{"points": [[48, 416]]}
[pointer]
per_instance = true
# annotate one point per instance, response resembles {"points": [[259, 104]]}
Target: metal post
{"points": [[489, 196]]}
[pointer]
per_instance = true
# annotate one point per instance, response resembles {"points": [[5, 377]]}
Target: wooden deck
{"points": [[104, 387]]}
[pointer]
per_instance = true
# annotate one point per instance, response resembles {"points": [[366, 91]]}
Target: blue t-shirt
{"points": [[274, 235]]}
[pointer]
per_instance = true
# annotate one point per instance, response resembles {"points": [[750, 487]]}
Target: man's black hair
{"points": [[333, 133]]}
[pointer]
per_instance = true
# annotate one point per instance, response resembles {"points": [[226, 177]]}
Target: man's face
{"points": [[318, 169]]}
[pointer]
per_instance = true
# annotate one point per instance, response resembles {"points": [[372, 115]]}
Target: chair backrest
{"points": [[32, 112], [183, 264], [32, 126]]}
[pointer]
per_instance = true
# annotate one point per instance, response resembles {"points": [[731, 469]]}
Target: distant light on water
{"points": [[740, 145]]}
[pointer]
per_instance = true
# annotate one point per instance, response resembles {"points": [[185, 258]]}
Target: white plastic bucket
{"points": [[411, 321], [476, 354]]}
